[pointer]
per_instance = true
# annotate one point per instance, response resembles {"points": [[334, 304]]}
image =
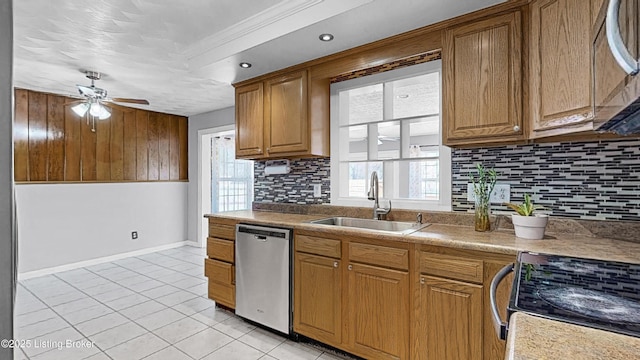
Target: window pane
{"points": [[416, 96], [365, 104], [424, 137], [423, 180], [355, 137], [231, 180], [388, 140], [359, 178]]}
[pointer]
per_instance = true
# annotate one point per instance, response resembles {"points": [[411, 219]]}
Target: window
{"points": [[231, 179], [390, 123]]}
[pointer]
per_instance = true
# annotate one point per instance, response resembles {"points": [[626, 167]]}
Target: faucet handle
{"points": [[419, 218]]}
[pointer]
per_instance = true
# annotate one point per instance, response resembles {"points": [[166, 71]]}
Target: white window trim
{"points": [[444, 202]]}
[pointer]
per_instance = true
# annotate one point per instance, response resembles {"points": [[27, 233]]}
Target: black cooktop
{"points": [[594, 293]]}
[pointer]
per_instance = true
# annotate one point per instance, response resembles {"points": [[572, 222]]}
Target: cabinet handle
{"points": [[267, 149], [422, 280], [516, 128], [350, 267], [616, 44], [260, 150], [335, 264]]}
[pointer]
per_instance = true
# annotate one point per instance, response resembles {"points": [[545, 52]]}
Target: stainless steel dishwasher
{"points": [[263, 276]]}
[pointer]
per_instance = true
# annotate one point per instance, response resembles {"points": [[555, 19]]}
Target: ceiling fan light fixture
{"points": [[80, 109], [99, 111]]}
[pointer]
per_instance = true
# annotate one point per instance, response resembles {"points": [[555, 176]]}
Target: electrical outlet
{"points": [[317, 190], [501, 193], [134, 235]]}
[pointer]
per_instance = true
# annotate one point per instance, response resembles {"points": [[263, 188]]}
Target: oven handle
{"points": [[499, 325]]}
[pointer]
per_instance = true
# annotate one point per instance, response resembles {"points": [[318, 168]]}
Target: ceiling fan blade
{"points": [[131, 101], [86, 90], [69, 103]]}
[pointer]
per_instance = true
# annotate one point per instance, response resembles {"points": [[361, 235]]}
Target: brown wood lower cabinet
{"points": [[378, 312], [453, 319], [219, 266], [318, 297]]}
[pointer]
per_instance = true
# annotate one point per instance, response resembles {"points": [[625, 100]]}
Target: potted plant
{"points": [[527, 224], [483, 185]]}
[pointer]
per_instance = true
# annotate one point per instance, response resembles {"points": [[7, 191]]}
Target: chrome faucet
{"points": [[373, 195]]}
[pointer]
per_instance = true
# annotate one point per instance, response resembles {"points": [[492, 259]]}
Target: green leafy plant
{"points": [[526, 208], [483, 184]]}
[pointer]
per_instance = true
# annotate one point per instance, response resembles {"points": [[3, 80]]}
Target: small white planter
{"points": [[530, 227]]}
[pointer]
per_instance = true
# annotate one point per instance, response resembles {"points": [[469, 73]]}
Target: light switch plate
{"points": [[501, 193]]}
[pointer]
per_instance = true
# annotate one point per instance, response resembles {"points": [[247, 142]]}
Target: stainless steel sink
{"points": [[371, 224]]}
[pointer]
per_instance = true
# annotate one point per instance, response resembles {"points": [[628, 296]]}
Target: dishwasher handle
{"points": [[500, 326]]}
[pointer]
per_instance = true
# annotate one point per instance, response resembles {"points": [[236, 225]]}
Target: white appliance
{"points": [[263, 276]]}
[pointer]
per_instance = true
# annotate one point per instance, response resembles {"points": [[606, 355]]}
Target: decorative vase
{"points": [[530, 227], [482, 212]]}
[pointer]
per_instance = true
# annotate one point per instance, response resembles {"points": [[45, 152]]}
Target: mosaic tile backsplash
{"points": [[295, 187], [587, 180]]}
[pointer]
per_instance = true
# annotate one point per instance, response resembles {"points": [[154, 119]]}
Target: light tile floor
{"points": [[152, 306]]}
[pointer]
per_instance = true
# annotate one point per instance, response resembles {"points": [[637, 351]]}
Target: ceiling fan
{"points": [[94, 99]]}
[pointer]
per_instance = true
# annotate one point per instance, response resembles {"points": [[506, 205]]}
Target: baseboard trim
{"points": [[81, 264]]}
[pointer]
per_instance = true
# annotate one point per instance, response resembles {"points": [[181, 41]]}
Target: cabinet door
{"points": [[249, 121], [482, 97], [317, 298], [560, 67], [451, 319], [287, 127], [378, 312], [609, 78]]}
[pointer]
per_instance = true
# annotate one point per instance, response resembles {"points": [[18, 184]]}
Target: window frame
{"points": [[338, 168]]}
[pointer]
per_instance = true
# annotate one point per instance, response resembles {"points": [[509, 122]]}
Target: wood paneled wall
{"points": [[53, 144]]}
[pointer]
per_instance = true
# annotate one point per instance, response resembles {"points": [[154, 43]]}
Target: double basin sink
{"points": [[398, 227]]}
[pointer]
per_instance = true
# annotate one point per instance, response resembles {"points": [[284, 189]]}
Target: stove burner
{"points": [[592, 304]]}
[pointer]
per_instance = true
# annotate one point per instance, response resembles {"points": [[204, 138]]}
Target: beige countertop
{"points": [[531, 337], [461, 237]]}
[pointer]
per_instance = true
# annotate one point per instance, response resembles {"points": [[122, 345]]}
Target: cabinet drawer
{"points": [[318, 246], [452, 267], [222, 228], [221, 249], [219, 271], [379, 255], [223, 294]]}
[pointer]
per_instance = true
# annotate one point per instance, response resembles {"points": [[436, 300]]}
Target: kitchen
{"points": [[540, 142]]}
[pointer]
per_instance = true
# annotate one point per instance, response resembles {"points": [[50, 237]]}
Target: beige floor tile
{"points": [[262, 340], [159, 319], [290, 350], [235, 350], [234, 327], [170, 353], [137, 348], [203, 343], [180, 330], [117, 335], [101, 324]]}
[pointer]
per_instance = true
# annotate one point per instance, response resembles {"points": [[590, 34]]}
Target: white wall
{"points": [[199, 122], [6, 177], [61, 224]]}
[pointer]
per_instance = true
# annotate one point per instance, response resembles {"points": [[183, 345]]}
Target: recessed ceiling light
{"points": [[326, 37], [245, 65]]}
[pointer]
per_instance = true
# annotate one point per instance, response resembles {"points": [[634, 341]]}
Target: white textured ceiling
{"points": [[182, 56]]}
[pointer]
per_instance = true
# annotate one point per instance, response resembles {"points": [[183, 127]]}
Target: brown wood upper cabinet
{"points": [[482, 72], [273, 118], [560, 68]]}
